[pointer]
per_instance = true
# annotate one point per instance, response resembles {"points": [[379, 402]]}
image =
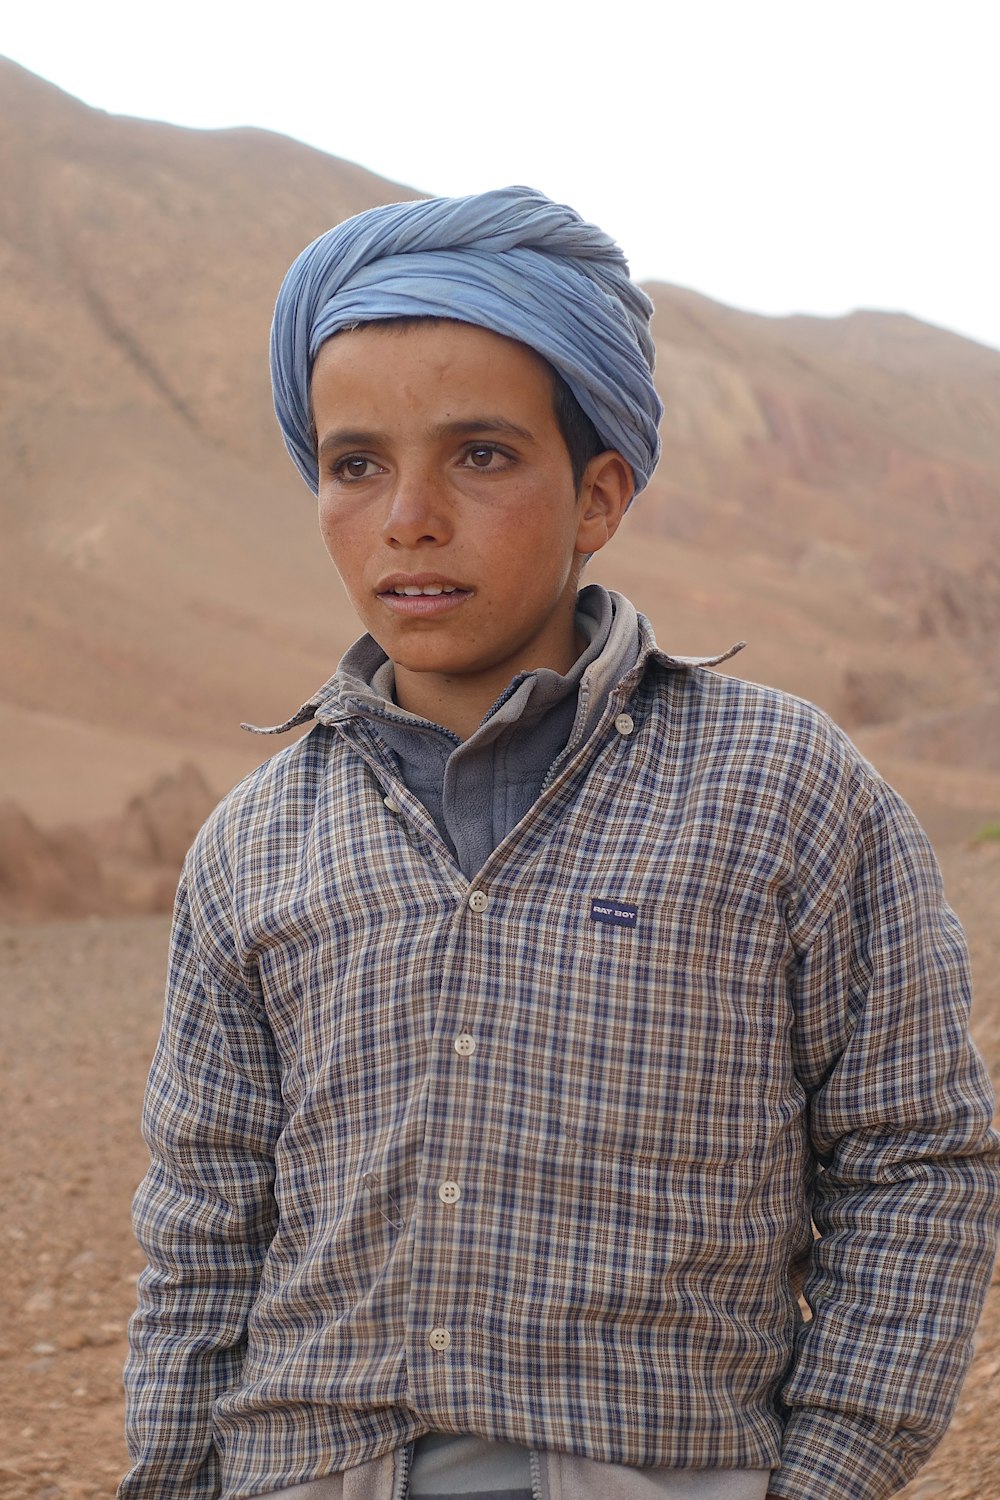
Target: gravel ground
{"points": [[81, 1012]]}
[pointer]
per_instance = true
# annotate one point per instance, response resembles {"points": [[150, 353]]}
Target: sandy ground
{"points": [[81, 1005]]}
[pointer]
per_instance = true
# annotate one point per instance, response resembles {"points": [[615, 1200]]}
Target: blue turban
{"points": [[511, 261]]}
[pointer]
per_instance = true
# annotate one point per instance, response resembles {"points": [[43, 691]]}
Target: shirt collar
{"points": [[620, 644]]}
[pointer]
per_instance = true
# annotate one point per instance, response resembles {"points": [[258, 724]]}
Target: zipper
{"points": [[378, 713], [568, 757], [404, 1458], [508, 692], [535, 1466]]}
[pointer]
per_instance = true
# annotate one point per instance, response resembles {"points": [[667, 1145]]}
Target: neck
{"points": [[461, 703]]}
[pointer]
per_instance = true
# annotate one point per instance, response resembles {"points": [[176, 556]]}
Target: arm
{"points": [[905, 1202], [204, 1215]]}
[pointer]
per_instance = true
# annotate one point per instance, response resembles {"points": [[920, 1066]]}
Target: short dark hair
{"points": [[583, 442]]}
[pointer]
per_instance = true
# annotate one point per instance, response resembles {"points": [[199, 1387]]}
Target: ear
{"points": [[606, 490]]}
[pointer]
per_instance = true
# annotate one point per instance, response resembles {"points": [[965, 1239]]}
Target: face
{"points": [[446, 501]]}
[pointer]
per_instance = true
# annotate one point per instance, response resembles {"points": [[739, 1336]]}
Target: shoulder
{"points": [[275, 799], [790, 771], [773, 783], [759, 735], [747, 728]]}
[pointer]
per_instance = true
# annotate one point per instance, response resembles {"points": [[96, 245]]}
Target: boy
{"points": [[524, 1017]]}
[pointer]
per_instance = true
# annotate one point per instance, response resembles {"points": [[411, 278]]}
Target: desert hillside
{"points": [[830, 492]]}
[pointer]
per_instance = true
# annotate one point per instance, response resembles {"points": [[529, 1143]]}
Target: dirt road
{"points": [[81, 1004]]}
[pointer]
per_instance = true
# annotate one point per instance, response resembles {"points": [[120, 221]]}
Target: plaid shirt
{"points": [[537, 1156]]}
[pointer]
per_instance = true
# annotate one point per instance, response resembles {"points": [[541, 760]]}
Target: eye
{"points": [[354, 466], [485, 456]]}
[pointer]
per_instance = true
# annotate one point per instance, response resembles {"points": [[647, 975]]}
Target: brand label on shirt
{"points": [[616, 913]]}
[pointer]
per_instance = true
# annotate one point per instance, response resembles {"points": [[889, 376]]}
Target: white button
{"points": [[624, 723], [391, 806], [479, 901], [439, 1339], [465, 1044], [449, 1192]]}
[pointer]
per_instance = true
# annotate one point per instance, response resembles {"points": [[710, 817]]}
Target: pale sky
{"points": [[778, 155]]}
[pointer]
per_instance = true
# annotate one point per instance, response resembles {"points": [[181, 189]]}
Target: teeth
{"points": [[433, 589]]}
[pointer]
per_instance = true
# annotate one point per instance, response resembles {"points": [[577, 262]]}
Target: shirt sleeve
{"points": [[204, 1215], [905, 1196]]}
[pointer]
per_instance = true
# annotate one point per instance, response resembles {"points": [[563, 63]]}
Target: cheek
{"points": [[339, 538], [326, 532], [526, 527], [335, 521]]}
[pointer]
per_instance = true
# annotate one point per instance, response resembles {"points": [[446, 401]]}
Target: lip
{"points": [[421, 606], [419, 581]]}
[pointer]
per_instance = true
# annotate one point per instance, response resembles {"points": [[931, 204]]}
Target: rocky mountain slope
{"points": [[830, 489]]}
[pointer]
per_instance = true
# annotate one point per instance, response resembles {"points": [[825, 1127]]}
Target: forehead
{"points": [[429, 360]]}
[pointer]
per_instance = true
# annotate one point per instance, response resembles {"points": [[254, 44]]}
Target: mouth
{"points": [[422, 596], [430, 591]]}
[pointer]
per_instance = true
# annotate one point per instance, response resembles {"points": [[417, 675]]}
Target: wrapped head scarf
{"points": [[510, 261]]}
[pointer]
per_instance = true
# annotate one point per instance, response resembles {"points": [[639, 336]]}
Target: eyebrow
{"points": [[345, 438], [349, 437], [468, 427]]}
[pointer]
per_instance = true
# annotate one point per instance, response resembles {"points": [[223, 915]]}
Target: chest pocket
{"points": [[673, 1042]]}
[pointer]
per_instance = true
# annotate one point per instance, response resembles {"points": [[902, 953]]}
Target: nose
{"points": [[418, 513]]}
